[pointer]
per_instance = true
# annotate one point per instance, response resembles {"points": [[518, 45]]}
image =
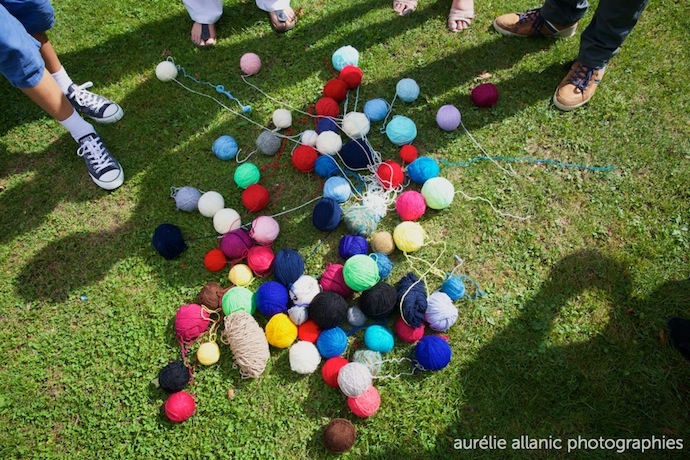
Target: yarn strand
{"points": [[501, 213]]}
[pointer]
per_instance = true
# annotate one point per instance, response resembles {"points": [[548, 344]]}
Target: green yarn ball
{"points": [[247, 174], [438, 192], [237, 299], [361, 272]]}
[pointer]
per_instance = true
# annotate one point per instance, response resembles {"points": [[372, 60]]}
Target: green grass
{"points": [[567, 343]]}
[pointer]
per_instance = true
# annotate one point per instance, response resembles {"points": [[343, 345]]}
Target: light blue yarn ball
{"points": [[454, 287], [378, 338], [186, 198], [383, 262], [225, 147], [346, 55], [376, 110], [401, 130], [337, 188], [422, 169], [407, 89]]}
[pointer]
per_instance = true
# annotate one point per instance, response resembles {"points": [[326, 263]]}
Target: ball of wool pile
{"points": [[179, 407], [246, 174], [250, 63], [448, 117], [337, 188], [272, 298], [408, 333], [282, 118], [174, 377], [332, 342], [408, 236], [308, 331], [325, 167], [485, 95], [343, 56], [187, 198], [356, 154], [330, 369], [208, 353], [280, 331], [376, 109], [303, 290], [236, 244], [225, 220], [412, 299], [433, 353], [255, 197], [268, 143], [298, 315], [288, 265], [360, 272], [215, 260], [327, 214], [308, 137], [408, 153], [260, 260], [210, 203], [265, 230], [407, 89], [238, 298], [339, 435], [438, 192], [401, 130], [304, 157], [441, 314], [355, 316], [328, 309], [225, 147], [351, 245], [304, 357], [356, 125], [191, 321], [336, 89], [366, 404], [351, 75], [240, 275], [211, 295], [454, 287], [166, 71], [379, 301], [332, 279], [326, 124], [361, 220], [247, 342], [383, 262], [382, 242], [329, 143], [410, 205], [390, 174], [327, 107], [423, 169], [370, 358], [378, 338], [354, 379]]}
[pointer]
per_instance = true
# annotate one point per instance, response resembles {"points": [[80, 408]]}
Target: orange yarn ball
{"points": [[215, 260], [390, 174], [255, 197], [327, 107], [336, 89], [352, 76], [304, 157]]}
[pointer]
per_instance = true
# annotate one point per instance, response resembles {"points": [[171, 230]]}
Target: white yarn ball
{"points": [[356, 125], [304, 357], [441, 314], [354, 379], [329, 143], [226, 219], [309, 137], [298, 315], [282, 118], [303, 290], [210, 203], [355, 316], [166, 71]]}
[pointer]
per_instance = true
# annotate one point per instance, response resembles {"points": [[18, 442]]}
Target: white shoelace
{"points": [[95, 154], [87, 98]]}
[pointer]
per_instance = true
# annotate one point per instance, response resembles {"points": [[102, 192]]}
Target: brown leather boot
{"points": [[578, 87], [531, 24]]}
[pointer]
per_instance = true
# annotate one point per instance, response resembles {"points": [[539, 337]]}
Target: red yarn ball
{"points": [[304, 157], [260, 260], [190, 322], [330, 370], [410, 205], [366, 404], [255, 197], [390, 174], [352, 76], [308, 331], [336, 89], [408, 153], [215, 260], [179, 406], [327, 107], [485, 95], [408, 333]]}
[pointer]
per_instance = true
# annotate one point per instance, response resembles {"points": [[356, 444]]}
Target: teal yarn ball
{"points": [[337, 188], [454, 286], [343, 56], [378, 338], [407, 89], [360, 272], [438, 192], [401, 130], [422, 169], [383, 262], [332, 342], [225, 147], [246, 174], [376, 110], [370, 358]]}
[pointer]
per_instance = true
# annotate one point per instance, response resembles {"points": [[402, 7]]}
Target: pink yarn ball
{"points": [[333, 280], [408, 333], [410, 205], [250, 63], [485, 95], [260, 260], [264, 230], [448, 117], [190, 322], [366, 404], [179, 406]]}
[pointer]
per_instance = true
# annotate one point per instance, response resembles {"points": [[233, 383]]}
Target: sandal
{"points": [[463, 15], [281, 22], [205, 38], [404, 7]]}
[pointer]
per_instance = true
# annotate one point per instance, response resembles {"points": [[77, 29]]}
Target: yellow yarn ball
{"points": [[208, 353], [281, 332], [241, 275], [408, 236], [382, 242]]}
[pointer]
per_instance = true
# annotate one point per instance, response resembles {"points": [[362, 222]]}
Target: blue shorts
{"points": [[20, 60]]}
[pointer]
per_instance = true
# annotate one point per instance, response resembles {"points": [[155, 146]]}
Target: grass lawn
{"points": [[569, 342]]}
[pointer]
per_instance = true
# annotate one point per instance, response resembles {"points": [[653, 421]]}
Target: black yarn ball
{"points": [[174, 377], [328, 309], [412, 299], [378, 301], [168, 241], [679, 331]]}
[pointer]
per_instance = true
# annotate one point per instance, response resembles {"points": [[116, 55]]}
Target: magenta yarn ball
{"points": [[250, 63], [410, 205], [485, 95], [448, 117]]}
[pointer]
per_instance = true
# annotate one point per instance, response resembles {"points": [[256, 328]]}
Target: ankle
{"points": [[63, 80]]}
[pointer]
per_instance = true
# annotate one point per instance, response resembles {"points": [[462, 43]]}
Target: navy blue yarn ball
{"points": [[326, 124], [288, 265], [327, 214], [168, 241], [351, 245], [356, 154], [412, 299]]}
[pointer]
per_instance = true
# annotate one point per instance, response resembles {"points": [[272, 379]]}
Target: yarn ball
{"points": [[485, 95], [408, 333], [325, 167], [308, 137], [356, 125], [438, 192], [408, 236], [272, 298], [376, 109], [355, 316], [211, 295], [327, 107], [360, 273], [440, 313], [412, 299], [166, 71], [225, 147], [378, 338], [246, 174], [247, 342], [308, 331], [366, 404], [407, 89], [354, 379], [361, 220], [336, 89], [240, 275], [345, 55], [282, 118], [304, 157], [351, 245], [382, 242], [255, 197], [174, 377], [390, 174], [298, 315], [265, 230], [339, 435], [326, 124], [329, 143], [238, 298], [383, 262], [250, 63], [333, 280], [179, 407], [210, 203], [337, 188], [260, 260], [215, 260], [433, 353], [401, 130], [268, 143], [370, 358], [454, 287], [208, 353], [303, 290], [330, 369], [422, 169], [356, 154], [288, 265], [352, 76], [327, 214], [408, 153], [226, 219], [379, 301], [410, 205], [448, 117], [331, 342], [168, 241], [186, 198], [304, 357], [236, 244], [328, 309], [191, 321], [280, 331]]}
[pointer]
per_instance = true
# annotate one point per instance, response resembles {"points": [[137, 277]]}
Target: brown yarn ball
{"points": [[339, 435], [211, 295], [382, 242]]}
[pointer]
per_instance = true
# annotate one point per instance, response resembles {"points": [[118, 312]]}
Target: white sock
{"points": [[63, 80], [77, 126]]}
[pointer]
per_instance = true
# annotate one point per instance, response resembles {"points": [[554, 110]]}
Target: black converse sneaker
{"points": [[103, 168], [93, 105]]}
